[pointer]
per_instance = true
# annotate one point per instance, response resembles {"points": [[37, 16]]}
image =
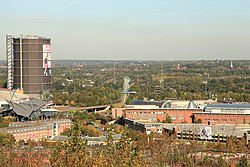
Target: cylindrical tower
{"points": [[31, 63]]}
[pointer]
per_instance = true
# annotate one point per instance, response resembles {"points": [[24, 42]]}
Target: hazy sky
{"points": [[133, 29]]}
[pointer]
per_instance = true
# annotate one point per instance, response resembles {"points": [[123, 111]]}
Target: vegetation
{"points": [[134, 149], [4, 122], [88, 83], [168, 119], [99, 83]]}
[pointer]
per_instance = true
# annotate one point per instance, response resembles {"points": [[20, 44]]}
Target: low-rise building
{"points": [[37, 130], [144, 126], [178, 115], [149, 104], [215, 133], [117, 112], [224, 114], [228, 108]]}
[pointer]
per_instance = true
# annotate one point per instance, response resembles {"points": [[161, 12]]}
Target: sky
{"points": [[133, 29]]}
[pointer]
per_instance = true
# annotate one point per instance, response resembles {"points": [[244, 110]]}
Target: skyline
{"points": [[133, 30]]}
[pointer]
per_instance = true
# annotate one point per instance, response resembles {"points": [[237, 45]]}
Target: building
{"points": [[185, 103], [117, 112], [181, 115], [28, 63], [24, 108], [101, 140], [149, 104], [144, 126], [222, 118], [37, 130], [228, 108], [214, 133], [8, 95], [224, 114]]}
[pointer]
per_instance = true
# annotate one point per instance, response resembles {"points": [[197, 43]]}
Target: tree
{"points": [[72, 103], [221, 162], [243, 162], [6, 139], [66, 102], [168, 119], [72, 153], [89, 130]]}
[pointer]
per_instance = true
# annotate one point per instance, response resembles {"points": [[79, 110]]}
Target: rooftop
{"points": [[6, 94], [160, 104], [27, 107], [229, 106]]}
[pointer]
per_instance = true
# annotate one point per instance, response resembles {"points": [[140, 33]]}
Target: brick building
{"points": [[37, 130], [117, 112], [224, 114], [212, 113], [153, 115]]}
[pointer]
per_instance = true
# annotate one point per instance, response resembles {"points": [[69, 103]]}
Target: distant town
{"points": [[121, 113]]}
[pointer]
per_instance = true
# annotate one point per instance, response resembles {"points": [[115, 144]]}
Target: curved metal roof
{"points": [[160, 104]]}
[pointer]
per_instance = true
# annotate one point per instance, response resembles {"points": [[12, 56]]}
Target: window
{"points": [[181, 117], [173, 116]]}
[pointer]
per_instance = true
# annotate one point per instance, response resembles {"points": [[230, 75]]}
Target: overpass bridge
{"points": [[96, 109]]}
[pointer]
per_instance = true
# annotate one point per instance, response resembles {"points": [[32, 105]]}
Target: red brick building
{"points": [[36, 131], [154, 115], [222, 118], [117, 112], [224, 114]]}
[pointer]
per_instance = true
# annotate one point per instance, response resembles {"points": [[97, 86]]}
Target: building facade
{"points": [[224, 114], [222, 118], [37, 130], [28, 63], [155, 115], [144, 126]]}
